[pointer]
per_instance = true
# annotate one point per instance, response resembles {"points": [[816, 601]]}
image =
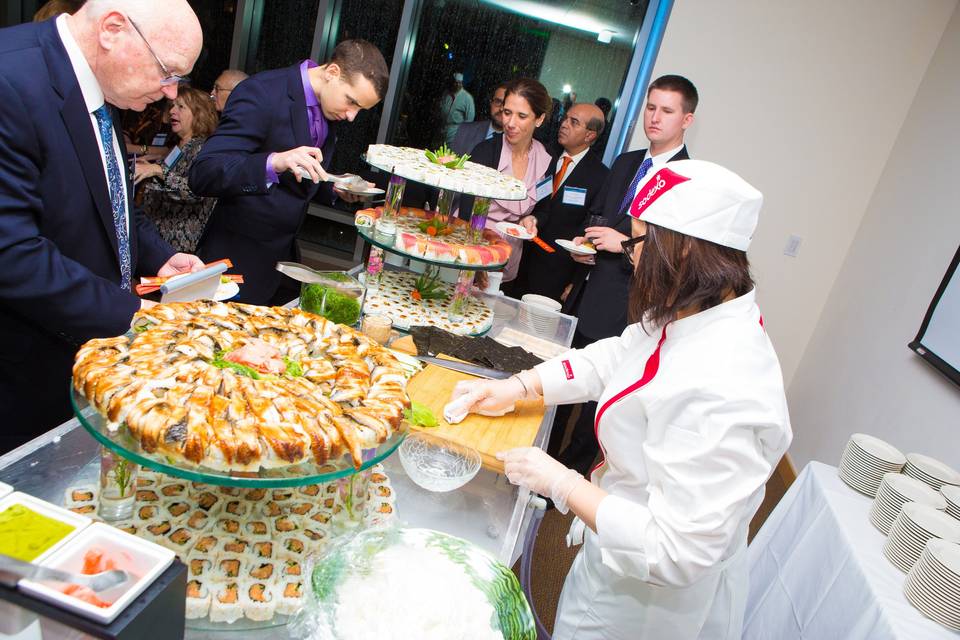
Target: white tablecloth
{"points": [[817, 570]]}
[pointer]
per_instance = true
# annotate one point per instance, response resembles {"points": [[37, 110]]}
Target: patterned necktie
{"points": [[558, 178], [632, 191], [117, 193]]}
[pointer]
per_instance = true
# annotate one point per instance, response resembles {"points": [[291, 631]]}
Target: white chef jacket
{"points": [[692, 420]]}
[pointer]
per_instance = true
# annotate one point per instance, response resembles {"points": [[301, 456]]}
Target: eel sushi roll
{"points": [[319, 520], [291, 547], [196, 488], [231, 492], [174, 490], [209, 502], [199, 520], [272, 509], [179, 540], [89, 510], [233, 544], [148, 496], [199, 567], [255, 495], [256, 530], [281, 495], [289, 596], [146, 513], [228, 526], [176, 508], [312, 490], [198, 599], [314, 533], [262, 549], [225, 602], [285, 524], [128, 526], [257, 600], [382, 492], [262, 571], [236, 508], [206, 543], [158, 529], [80, 495], [229, 568], [291, 570], [301, 508]]}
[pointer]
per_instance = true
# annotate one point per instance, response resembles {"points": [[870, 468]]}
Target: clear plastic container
{"points": [[337, 296]]}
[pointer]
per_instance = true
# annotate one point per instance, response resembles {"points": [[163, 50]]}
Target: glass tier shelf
{"points": [[411, 173], [123, 443], [367, 234]]}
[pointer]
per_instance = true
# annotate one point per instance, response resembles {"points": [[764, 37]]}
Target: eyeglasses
{"points": [[168, 78], [496, 102], [628, 246]]}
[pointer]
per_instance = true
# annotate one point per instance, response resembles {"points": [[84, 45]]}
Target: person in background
{"points": [[53, 8], [268, 157], [470, 134], [179, 215], [578, 175], [71, 243], [224, 85], [456, 107], [515, 153], [606, 107], [599, 293], [692, 423]]}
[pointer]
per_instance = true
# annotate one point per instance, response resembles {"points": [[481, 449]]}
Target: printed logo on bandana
{"points": [[661, 182], [567, 369]]}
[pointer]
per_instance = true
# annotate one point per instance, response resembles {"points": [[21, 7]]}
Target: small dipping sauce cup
{"points": [[377, 327]]}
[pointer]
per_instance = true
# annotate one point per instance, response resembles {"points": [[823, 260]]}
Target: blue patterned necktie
{"points": [[631, 192], [117, 193]]}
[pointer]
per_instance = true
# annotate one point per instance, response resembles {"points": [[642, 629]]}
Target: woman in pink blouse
{"points": [[514, 152]]}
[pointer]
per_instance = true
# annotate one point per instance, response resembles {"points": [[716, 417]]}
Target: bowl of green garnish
{"points": [[336, 295]]}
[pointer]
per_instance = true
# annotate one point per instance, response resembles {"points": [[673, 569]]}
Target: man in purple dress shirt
{"points": [[268, 159]]}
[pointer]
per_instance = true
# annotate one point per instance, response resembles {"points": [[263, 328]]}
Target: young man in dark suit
{"points": [[599, 296], [268, 159], [576, 177], [71, 241]]}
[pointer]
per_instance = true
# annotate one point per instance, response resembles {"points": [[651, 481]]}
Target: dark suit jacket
{"points": [[549, 273], [469, 135], [253, 225], [59, 262], [600, 302]]}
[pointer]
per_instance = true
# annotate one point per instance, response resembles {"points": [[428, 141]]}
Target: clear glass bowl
{"points": [[339, 297], [436, 464]]}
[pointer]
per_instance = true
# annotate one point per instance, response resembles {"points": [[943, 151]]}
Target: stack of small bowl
{"points": [[916, 525], [866, 460], [895, 491]]}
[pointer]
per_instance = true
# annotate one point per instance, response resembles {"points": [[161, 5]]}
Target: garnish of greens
{"points": [[436, 226], [420, 415], [240, 369], [428, 287], [121, 474], [444, 156], [329, 303], [294, 370]]}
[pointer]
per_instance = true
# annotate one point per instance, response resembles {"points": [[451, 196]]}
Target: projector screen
{"points": [[938, 341]]}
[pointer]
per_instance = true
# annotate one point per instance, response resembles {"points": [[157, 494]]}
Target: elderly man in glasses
{"points": [[72, 243], [224, 85]]}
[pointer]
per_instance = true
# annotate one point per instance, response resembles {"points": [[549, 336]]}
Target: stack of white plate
{"points": [[913, 528], [952, 495], [865, 460], [933, 472], [896, 490], [933, 585], [540, 313]]}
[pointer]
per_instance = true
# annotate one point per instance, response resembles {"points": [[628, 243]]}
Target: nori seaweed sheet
{"points": [[483, 351]]}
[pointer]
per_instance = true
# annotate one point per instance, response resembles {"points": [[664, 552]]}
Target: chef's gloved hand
{"points": [[532, 468], [486, 397]]}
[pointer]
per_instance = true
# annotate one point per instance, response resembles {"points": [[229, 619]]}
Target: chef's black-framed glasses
{"points": [[628, 246], [168, 78]]}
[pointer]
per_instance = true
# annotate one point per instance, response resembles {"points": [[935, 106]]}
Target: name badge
{"points": [[544, 188], [159, 140], [575, 196], [172, 157]]}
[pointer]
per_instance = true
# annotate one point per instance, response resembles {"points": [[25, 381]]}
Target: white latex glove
{"points": [[532, 468], [486, 397]]}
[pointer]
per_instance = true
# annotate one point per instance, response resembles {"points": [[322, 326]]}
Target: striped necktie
{"points": [[118, 199], [632, 191]]}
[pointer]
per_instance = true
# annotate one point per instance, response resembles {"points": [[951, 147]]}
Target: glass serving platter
{"points": [[123, 443], [367, 234]]}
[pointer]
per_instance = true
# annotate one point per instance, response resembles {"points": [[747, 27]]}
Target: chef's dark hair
{"points": [[359, 57], [676, 272], [682, 86]]}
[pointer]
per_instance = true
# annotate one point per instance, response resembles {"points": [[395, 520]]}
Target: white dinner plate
{"points": [[575, 248], [878, 448], [934, 468], [226, 290], [511, 230]]}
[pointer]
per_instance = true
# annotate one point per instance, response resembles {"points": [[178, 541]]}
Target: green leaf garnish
{"points": [[293, 367], [420, 415]]}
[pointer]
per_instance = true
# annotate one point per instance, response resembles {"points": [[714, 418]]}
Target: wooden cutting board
{"points": [[432, 387]]}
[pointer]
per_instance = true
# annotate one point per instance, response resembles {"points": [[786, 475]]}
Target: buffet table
{"points": [[488, 511], [817, 570]]}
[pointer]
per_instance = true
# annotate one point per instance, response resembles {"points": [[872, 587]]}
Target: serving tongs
{"points": [[13, 570], [306, 275]]}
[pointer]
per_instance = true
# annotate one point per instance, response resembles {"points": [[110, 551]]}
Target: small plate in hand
{"points": [[576, 248], [512, 230], [226, 290], [357, 186]]}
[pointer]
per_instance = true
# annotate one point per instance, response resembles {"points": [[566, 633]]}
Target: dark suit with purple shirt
{"points": [[253, 224]]}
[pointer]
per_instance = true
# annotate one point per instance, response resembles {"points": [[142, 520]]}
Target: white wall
{"points": [[591, 68], [804, 100], [857, 374]]}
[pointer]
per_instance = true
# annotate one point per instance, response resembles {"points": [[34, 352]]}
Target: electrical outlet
{"points": [[793, 246]]}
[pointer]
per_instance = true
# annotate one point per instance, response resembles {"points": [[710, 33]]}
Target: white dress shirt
{"points": [[94, 99], [658, 161], [574, 161]]}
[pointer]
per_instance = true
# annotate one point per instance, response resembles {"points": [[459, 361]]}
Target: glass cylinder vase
{"points": [[461, 295], [118, 486], [445, 205], [385, 229], [478, 219]]}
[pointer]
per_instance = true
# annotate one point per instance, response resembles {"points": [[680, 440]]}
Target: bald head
{"points": [[580, 128], [135, 46], [225, 83]]}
